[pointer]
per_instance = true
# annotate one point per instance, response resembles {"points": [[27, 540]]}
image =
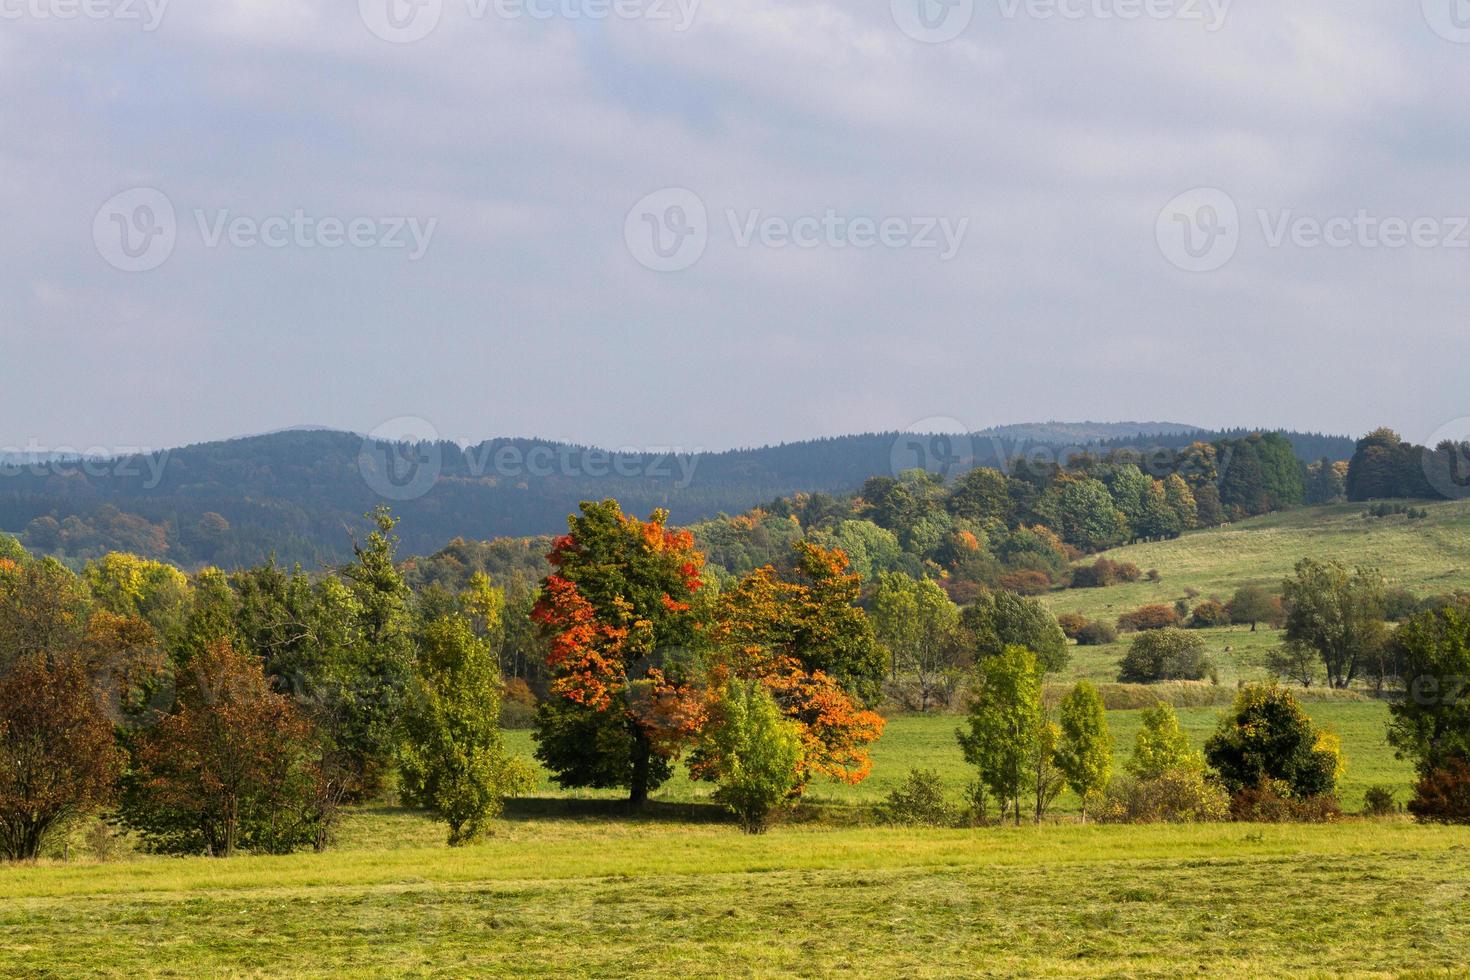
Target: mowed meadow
{"points": [[571, 883]]}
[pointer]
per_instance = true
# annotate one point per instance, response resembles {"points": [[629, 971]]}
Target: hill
{"points": [[1426, 556], [299, 494]]}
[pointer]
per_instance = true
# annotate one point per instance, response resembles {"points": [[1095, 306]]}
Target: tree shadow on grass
{"points": [[530, 808]]}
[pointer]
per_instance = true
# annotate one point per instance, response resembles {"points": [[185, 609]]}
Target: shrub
{"points": [[1267, 740], [1161, 746], [1208, 614], [1154, 576], [1096, 634], [1182, 795], [1443, 794], [1399, 605], [1026, 582], [1155, 617], [1378, 802], [1103, 573], [1169, 654], [1272, 802], [754, 753], [1072, 623], [919, 802]]}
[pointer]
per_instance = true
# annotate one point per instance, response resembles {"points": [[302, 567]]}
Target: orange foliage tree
{"points": [[812, 646], [621, 611]]}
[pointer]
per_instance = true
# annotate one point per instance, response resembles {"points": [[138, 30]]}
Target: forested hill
{"points": [[300, 494]]}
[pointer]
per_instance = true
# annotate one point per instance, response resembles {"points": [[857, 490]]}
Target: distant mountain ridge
{"points": [[300, 493]]}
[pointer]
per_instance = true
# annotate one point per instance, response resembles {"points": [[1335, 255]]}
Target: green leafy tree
{"points": [[1088, 517], [1004, 724], [1085, 752], [43, 609], [1431, 724], [1161, 746], [452, 761], [997, 620], [377, 684], [916, 621], [753, 752], [1251, 604], [1181, 501], [1267, 738], [1337, 612]]}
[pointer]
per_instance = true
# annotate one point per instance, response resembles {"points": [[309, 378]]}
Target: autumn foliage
{"points": [[230, 767], [58, 759]]}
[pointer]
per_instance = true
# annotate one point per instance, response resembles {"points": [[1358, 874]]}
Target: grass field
{"points": [[608, 896], [928, 742]]}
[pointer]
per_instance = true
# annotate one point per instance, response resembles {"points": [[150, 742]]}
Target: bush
{"points": [[1267, 741], [1378, 802], [1443, 795], [1154, 617], [1097, 634], [1103, 573], [754, 752], [919, 802], [1169, 654], [1272, 802], [1072, 623], [1026, 582], [1208, 614], [1399, 605], [1182, 795]]}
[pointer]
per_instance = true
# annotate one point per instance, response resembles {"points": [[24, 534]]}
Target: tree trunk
{"points": [[642, 757]]}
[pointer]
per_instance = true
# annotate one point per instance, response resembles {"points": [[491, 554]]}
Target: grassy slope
{"points": [[1427, 556]]}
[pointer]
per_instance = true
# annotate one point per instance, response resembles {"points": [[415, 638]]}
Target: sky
{"points": [[652, 223]]}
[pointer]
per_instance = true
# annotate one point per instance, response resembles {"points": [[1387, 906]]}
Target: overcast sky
{"points": [[868, 215]]}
